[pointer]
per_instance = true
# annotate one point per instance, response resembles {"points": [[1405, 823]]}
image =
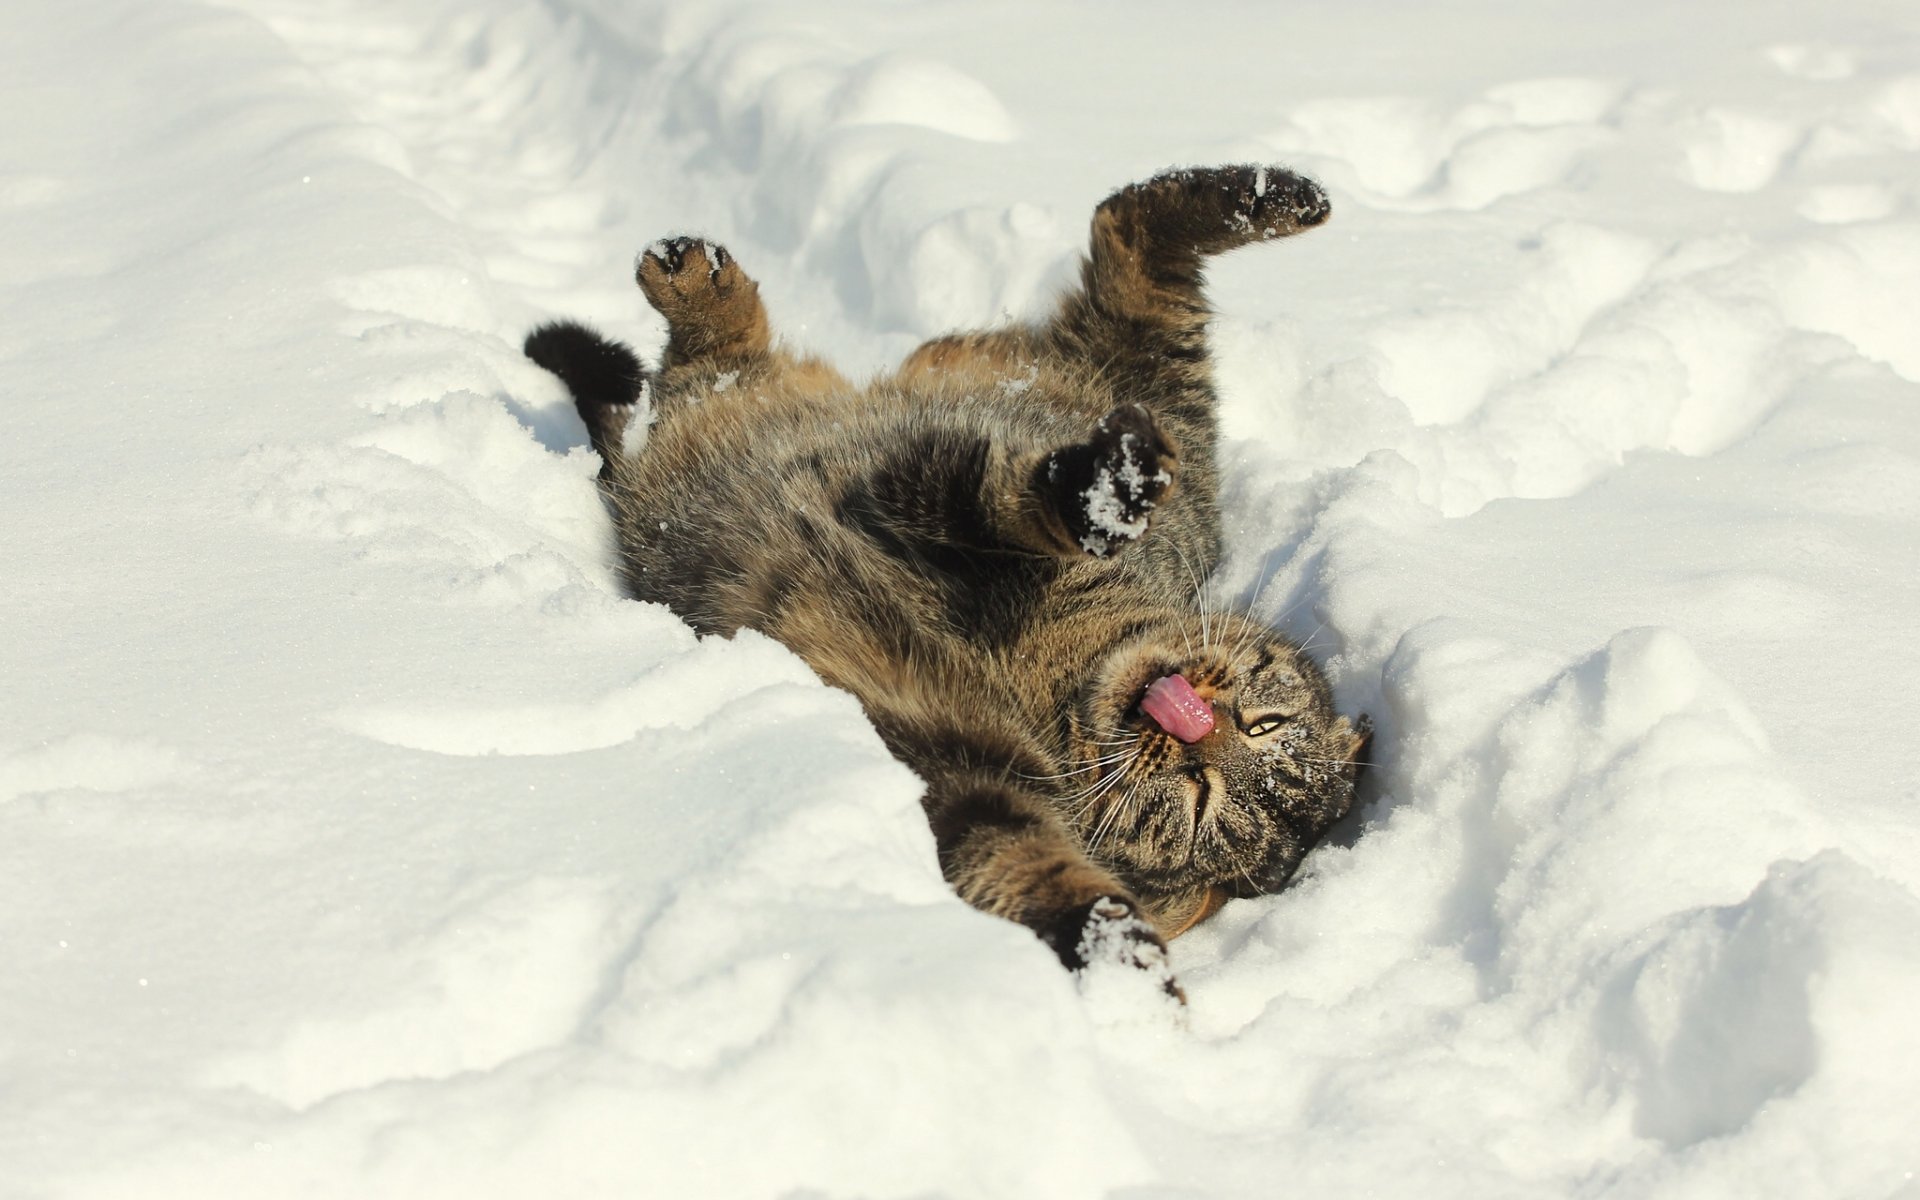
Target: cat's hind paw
{"points": [[682, 276], [712, 306], [1271, 202], [1207, 210], [1104, 490]]}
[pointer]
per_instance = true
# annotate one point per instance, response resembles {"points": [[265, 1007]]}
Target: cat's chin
{"points": [[1263, 880], [1218, 871]]}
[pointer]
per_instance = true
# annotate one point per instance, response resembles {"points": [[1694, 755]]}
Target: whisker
{"points": [[1250, 611], [1119, 773], [1252, 630], [1091, 765], [1308, 640], [1110, 821], [1251, 885], [1271, 573], [1091, 802], [1199, 596], [1130, 807], [1093, 792], [1121, 758], [1330, 762], [1100, 829]]}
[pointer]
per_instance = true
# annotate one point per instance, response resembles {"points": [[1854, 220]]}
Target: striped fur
{"points": [[950, 544]]}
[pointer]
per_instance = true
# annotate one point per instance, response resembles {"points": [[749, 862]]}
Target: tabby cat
{"points": [[997, 549]]}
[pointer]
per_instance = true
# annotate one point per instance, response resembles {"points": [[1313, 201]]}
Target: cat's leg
{"points": [[1149, 240], [608, 383], [1140, 288], [1005, 852], [1139, 319], [1002, 842], [717, 331], [713, 309]]}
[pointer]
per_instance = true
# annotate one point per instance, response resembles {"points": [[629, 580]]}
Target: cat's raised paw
{"points": [[1104, 490], [712, 306], [1110, 932], [1206, 210], [682, 269], [1274, 202]]}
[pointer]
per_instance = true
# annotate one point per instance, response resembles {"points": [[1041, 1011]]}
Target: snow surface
{"points": [[358, 840]]}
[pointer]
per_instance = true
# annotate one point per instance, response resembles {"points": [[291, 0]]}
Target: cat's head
{"points": [[1234, 807]]}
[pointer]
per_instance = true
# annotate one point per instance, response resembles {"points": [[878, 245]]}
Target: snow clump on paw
{"points": [[1126, 977], [1128, 482], [1112, 517]]}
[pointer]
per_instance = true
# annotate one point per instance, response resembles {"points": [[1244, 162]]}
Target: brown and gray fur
{"points": [[996, 549]]}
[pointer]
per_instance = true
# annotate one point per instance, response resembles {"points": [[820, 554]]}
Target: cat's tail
{"points": [[605, 377], [597, 370]]}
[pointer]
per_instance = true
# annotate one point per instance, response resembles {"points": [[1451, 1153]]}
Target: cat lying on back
{"points": [[997, 550]]}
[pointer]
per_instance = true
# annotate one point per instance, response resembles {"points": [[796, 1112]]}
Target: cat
{"points": [[998, 550]]}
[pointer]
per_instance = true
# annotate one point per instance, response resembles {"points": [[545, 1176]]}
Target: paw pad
{"points": [[1106, 489], [684, 264], [712, 307]]}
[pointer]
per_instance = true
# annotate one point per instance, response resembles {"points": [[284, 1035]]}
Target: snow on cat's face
{"points": [[1176, 807]]}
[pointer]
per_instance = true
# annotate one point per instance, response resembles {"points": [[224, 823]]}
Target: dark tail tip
{"points": [[597, 370]]}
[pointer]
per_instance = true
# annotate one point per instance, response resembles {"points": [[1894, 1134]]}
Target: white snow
{"points": [[358, 839], [1112, 517], [1107, 519]]}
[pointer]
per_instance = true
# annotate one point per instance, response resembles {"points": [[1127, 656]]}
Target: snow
{"points": [[1107, 510], [358, 839], [1116, 505]]}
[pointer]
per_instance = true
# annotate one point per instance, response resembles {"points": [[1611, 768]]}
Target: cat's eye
{"points": [[1262, 726]]}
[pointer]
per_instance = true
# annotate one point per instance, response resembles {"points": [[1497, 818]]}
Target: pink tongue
{"points": [[1175, 707]]}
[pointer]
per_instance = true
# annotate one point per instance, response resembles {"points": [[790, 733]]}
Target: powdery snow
{"points": [[357, 838]]}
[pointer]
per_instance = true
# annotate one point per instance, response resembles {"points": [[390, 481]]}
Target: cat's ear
{"points": [[1359, 738]]}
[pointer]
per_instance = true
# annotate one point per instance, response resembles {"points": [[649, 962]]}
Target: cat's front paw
{"points": [[1110, 932], [1103, 491]]}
